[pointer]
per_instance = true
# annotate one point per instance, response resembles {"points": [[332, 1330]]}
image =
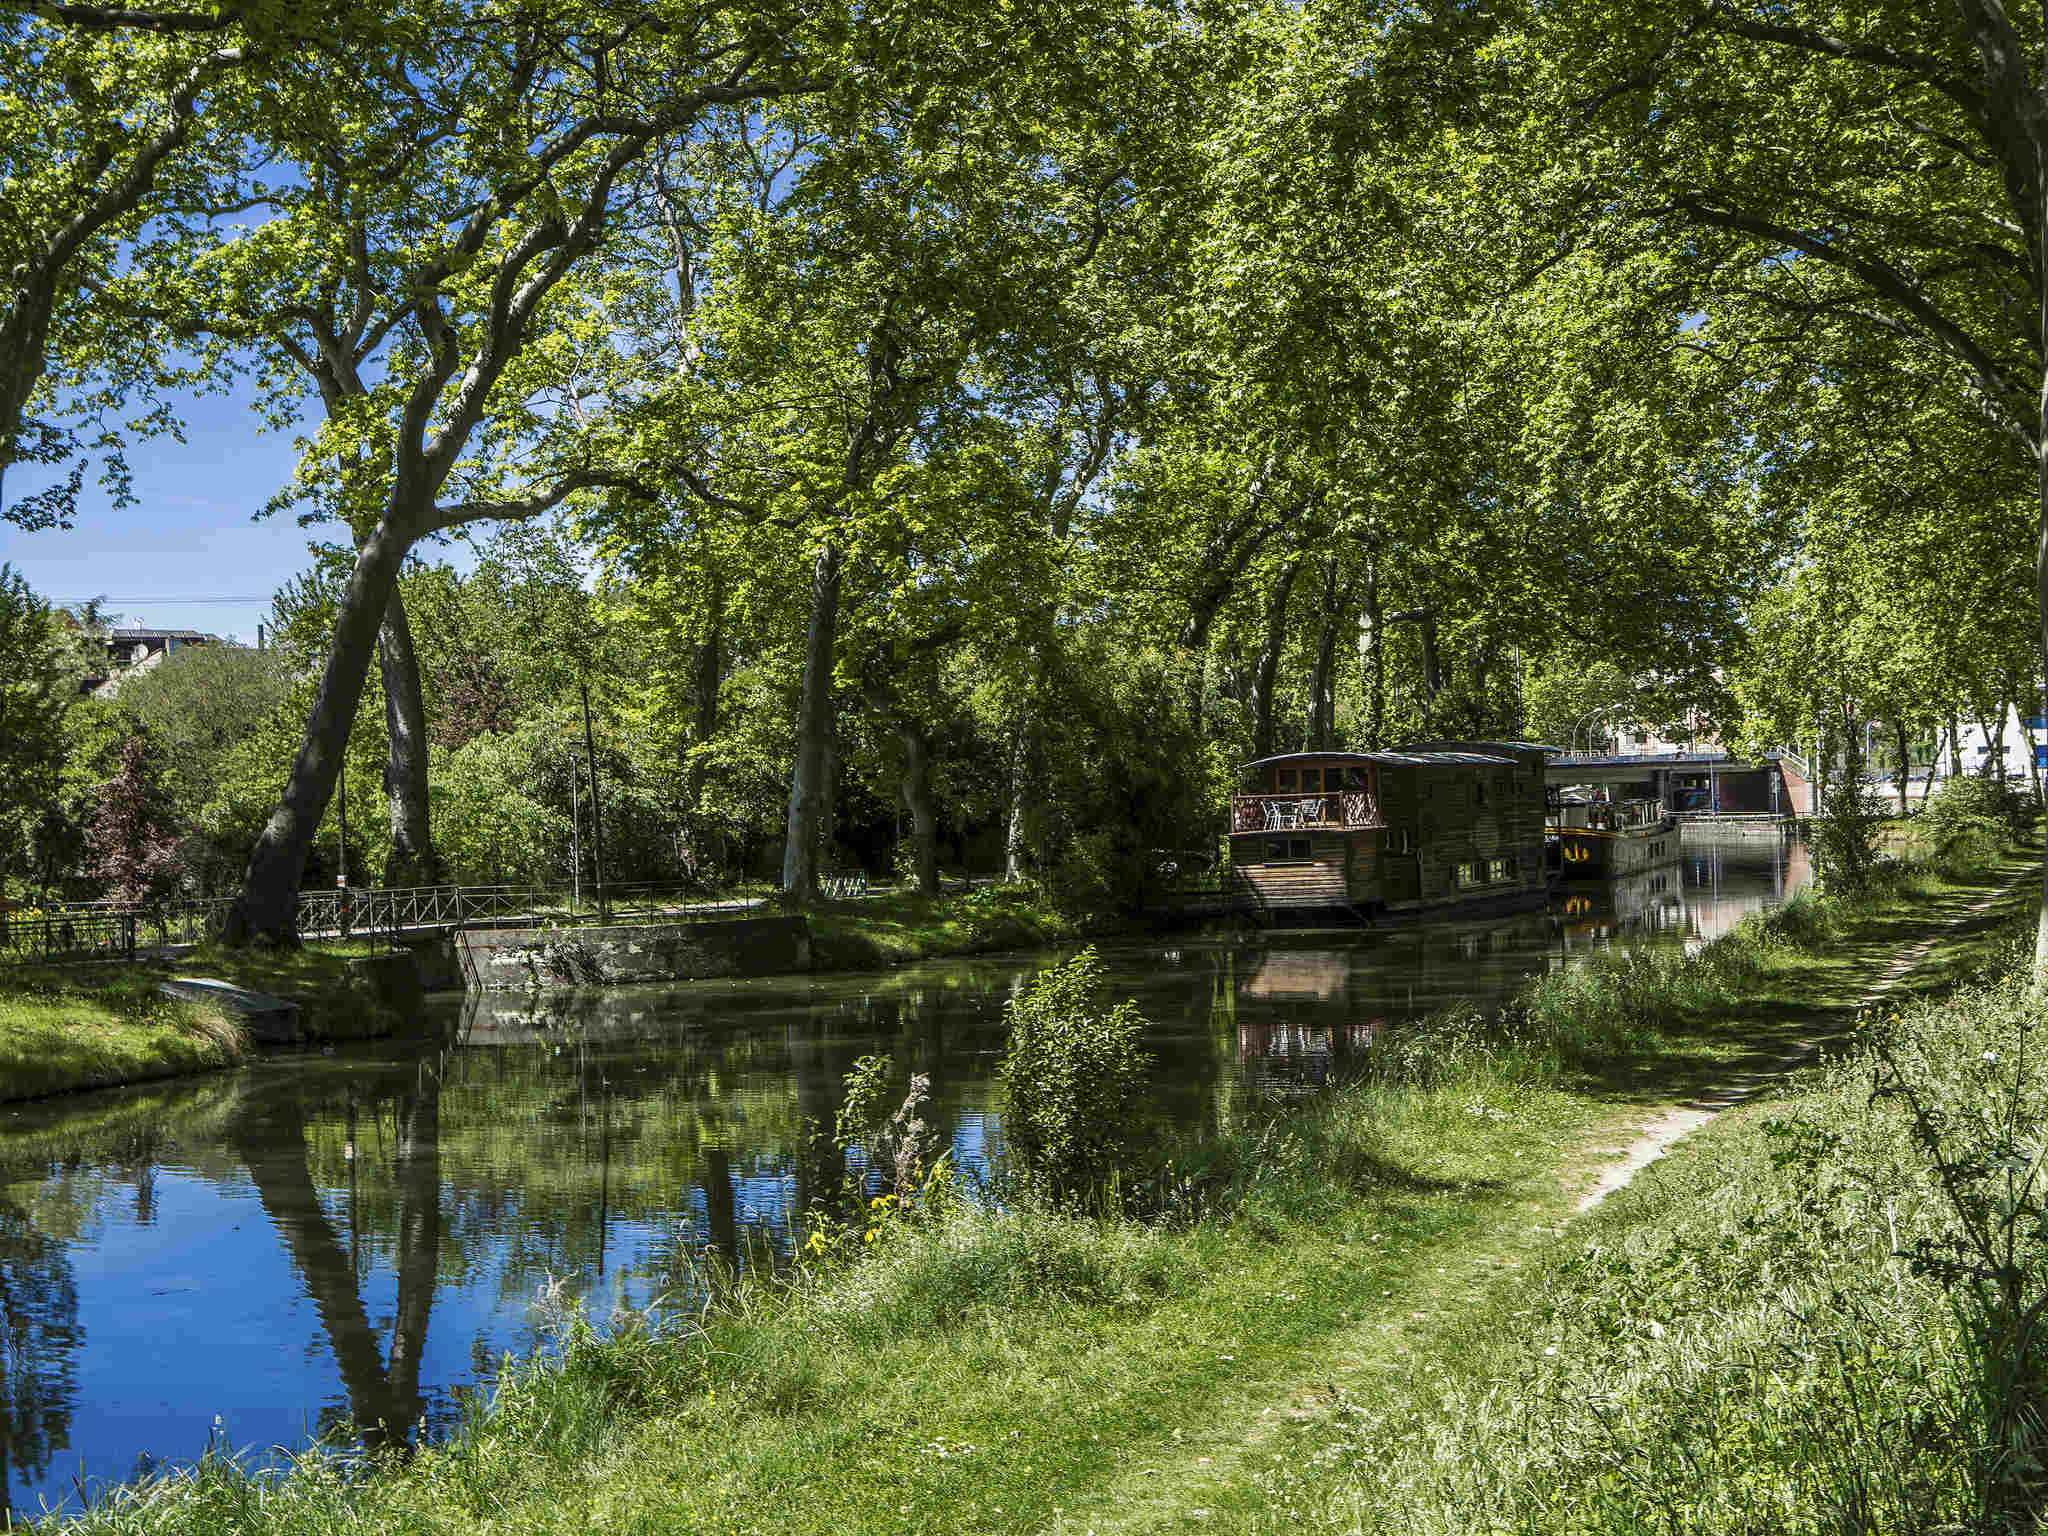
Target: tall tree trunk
{"points": [[807, 791], [828, 803], [2041, 616], [1994, 755], [1015, 832], [1269, 656], [268, 908], [1933, 767], [707, 671], [1320, 734], [917, 799], [410, 858], [1905, 764], [2027, 745], [1372, 661]]}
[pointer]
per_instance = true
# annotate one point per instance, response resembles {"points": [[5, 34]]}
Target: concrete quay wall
{"points": [[547, 959]]}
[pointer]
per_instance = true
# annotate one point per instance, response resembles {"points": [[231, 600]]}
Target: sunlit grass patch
{"points": [[59, 1034]]}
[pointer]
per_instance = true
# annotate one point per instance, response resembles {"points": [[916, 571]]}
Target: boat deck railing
{"points": [[1289, 813], [1624, 816]]}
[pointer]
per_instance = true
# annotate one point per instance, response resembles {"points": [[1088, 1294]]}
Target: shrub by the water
{"points": [[1974, 809], [1072, 1075], [1844, 837]]}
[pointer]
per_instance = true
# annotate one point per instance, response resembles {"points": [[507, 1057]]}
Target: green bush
{"points": [[1975, 809], [1844, 837], [1072, 1075]]}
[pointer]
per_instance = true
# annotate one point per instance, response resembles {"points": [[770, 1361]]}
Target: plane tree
{"points": [[110, 116], [863, 310], [450, 262], [1879, 170]]}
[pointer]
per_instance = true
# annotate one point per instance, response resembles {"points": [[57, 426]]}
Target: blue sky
{"points": [[189, 555]]}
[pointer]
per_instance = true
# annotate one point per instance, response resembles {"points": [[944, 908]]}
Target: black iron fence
{"points": [[102, 930]]}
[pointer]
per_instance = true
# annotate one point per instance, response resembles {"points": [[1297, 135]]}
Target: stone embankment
{"points": [[549, 959]]}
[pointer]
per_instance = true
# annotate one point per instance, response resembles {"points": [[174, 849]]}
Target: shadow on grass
{"points": [[1715, 1057], [1369, 1173]]}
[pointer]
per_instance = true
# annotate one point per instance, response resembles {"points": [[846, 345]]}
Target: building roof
{"points": [[161, 634], [1714, 756], [1482, 746]]}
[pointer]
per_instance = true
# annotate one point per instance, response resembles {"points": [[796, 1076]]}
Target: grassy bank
{"points": [[1032, 1370], [895, 929], [1782, 1327], [64, 1028]]}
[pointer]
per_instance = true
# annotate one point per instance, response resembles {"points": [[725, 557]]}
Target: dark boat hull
{"points": [[1584, 853]]}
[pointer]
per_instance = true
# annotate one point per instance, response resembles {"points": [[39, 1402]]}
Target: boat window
{"points": [[1311, 778], [1276, 848], [1479, 791], [1354, 777], [1297, 848], [1283, 778]]}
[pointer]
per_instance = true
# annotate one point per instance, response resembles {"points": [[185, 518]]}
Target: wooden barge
{"points": [[1428, 829], [1596, 841]]}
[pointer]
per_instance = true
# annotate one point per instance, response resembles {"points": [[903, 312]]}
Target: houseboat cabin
{"points": [[1450, 824]]}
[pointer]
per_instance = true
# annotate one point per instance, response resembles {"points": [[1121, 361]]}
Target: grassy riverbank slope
{"points": [[897, 928], [64, 1028], [1030, 1370]]}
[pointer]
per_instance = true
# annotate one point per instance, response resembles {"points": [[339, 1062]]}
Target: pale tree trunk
{"points": [[807, 791], [1015, 833], [917, 799], [1372, 661], [1269, 657], [410, 858], [2027, 743], [828, 803]]}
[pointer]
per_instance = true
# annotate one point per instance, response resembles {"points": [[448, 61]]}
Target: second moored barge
{"points": [[1427, 829]]}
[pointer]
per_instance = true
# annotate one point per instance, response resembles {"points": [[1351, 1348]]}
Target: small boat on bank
{"points": [[1592, 840], [1436, 829]]}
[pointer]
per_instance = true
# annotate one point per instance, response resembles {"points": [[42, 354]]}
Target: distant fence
{"points": [[102, 930]]}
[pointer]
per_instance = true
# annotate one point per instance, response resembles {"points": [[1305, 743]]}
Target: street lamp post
{"points": [[1586, 720]]}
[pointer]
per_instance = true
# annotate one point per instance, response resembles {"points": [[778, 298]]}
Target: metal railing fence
{"points": [[103, 930]]}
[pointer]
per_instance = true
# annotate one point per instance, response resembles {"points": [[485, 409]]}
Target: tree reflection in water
{"points": [[383, 1387], [39, 1340]]}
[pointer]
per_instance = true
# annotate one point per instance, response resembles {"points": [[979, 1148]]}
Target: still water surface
{"points": [[344, 1244]]}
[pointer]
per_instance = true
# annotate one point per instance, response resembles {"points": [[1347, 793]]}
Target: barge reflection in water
{"points": [[343, 1245]]}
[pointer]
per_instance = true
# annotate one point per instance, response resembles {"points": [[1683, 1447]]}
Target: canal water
{"points": [[344, 1244]]}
